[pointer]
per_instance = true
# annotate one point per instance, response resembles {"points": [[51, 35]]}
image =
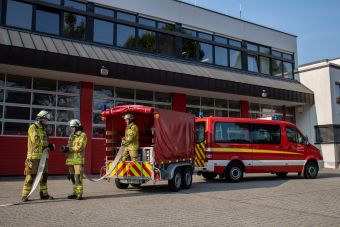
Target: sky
{"points": [[316, 23]]}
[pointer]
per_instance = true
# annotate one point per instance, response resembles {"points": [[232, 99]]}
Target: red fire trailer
{"points": [[166, 147]]}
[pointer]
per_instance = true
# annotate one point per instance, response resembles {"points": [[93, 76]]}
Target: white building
{"points": [[321, 121]]}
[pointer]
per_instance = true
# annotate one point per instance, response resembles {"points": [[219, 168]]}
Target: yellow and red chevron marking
{"points": [[132, 169], [199, 154]]}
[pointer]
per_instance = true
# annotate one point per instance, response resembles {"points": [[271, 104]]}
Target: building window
{"points": [[56, 2], [189, 49], [104, 12], [252, 63], [74, 26], [221, 56], [205, 53], [103, 32], [166, 44], [147, 22], [327, 134], [166, 26], [75, 5], [277, 67], [205, 36], [252, 47], [337, 92], [26, 96], [258, 110], [212, 107], [264, 65], [189, 32], [47, 22], [234, 43], [264, 50], [221, 40], [288, 70], [126, 16], [109, 97], [19, 14], [126, 36], [235, 59], [146, 40]]}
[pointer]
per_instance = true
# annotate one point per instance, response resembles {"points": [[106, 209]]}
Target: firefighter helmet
{"points": [[74, 123], [43, 114], [128, 116]]}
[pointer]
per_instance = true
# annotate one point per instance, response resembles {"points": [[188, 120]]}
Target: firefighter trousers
{"points": [[31, 169], [76, 175], [133, 154]]}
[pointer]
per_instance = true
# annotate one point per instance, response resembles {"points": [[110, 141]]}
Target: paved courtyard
{"points": [[259, 200]]}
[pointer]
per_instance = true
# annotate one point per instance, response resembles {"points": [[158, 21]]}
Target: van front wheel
{"points": [[311, 170], [234, 172]]}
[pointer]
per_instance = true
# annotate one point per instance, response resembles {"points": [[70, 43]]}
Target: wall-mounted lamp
{"points": [[104, 71], [264, 93]]}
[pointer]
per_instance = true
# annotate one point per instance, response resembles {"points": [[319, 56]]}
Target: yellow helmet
{"points": [[43, 114]]}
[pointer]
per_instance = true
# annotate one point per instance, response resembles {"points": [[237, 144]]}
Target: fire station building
{"points": [[73, 57]]}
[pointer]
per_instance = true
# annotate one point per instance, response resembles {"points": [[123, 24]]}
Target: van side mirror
{"points": [[306, 142]]}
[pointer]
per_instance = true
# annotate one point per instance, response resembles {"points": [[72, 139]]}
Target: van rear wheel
{"points": [[234, 172], [209, 176], [281, 174], [311, 170]]}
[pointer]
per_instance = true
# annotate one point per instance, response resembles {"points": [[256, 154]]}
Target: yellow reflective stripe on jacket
{"points": [[36, 141], [77, 144]]}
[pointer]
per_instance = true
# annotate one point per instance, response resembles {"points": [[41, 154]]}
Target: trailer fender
{"points": [[171, 169]]}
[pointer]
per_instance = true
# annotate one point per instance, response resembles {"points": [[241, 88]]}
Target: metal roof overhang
{"points": [[38, 51]]}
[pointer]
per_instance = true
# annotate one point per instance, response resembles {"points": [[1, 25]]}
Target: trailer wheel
{"points": [[234, 172], [311, 170], [187, 178], [281, 174], [176, 182], [136, 185], [120, 185], [209, 176]]}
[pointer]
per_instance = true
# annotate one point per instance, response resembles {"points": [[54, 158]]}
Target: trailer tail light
{"points": [[157, 175]]}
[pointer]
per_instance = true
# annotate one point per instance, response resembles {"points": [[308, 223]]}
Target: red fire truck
{"points": [[166, 140], [231, 146]]}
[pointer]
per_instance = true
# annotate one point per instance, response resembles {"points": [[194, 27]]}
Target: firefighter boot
{"points": [[72, 196], [45, 197], [24, 199]]}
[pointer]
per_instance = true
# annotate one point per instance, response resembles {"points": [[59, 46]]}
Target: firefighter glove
{"points": [[64, 149], [51, 146]]}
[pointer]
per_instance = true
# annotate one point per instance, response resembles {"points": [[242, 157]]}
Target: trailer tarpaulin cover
{"points": [[174, 136]]}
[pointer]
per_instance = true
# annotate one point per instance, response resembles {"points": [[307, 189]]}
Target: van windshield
{"points": [[200, 132]]}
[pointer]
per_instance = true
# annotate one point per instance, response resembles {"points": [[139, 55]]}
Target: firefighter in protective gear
{"points": [[130, 140], [75, 157], [36, 143]]}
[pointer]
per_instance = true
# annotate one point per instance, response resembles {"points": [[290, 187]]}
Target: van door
{"points": [[231, 141], [296, 149], [268, 154], [200, 144]]}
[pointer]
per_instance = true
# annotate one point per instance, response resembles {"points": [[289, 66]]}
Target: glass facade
{"points": [[204, 106], [74, 26], [80, 20], [47, 22], [19, 14], [108, 97], [103, 32], [22, 97]]}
